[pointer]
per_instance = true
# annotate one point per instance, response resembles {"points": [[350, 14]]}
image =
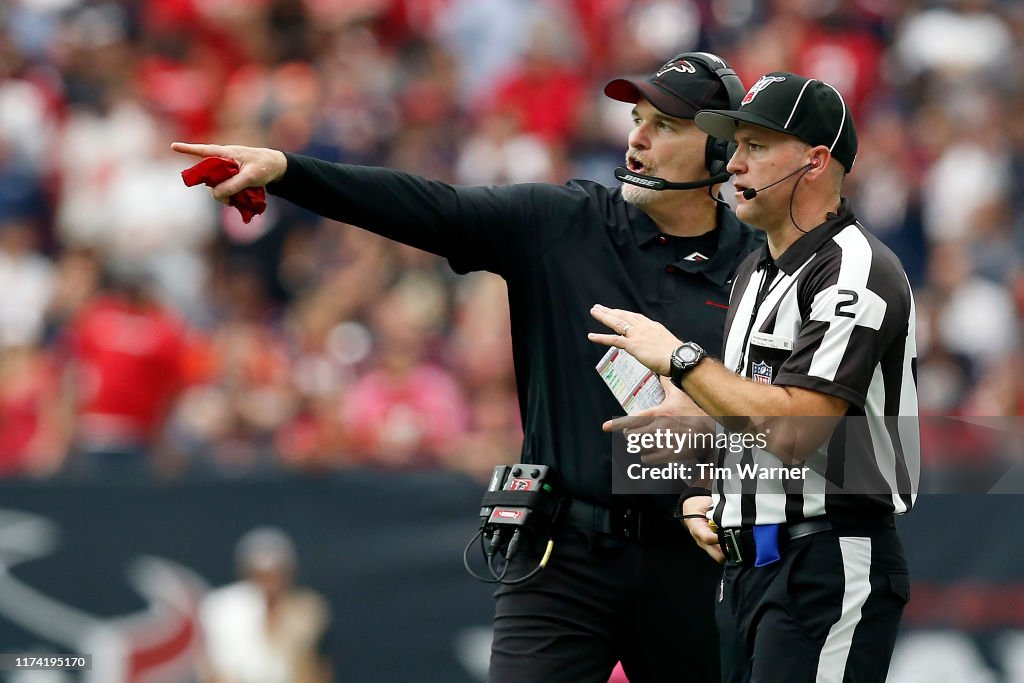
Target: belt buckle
{"points": [[733, 544]]}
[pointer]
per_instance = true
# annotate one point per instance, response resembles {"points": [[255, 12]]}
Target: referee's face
{"points": [[763, 157], [663, 146]]}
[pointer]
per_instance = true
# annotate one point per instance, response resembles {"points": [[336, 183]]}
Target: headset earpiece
{"points": [[718, 152], [815, 162]]}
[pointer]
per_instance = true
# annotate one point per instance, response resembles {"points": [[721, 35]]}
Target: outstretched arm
{"points": [[499, 229]]}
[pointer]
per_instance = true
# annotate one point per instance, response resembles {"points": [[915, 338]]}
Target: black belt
{"points": [[739, 547], [634, 524]]}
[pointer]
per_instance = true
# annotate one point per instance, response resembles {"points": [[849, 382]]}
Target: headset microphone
{"points": [[651, 182], [750, 192]]}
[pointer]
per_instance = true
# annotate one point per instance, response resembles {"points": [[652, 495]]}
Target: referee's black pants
{"points": [[828, 611], [600, 600]]}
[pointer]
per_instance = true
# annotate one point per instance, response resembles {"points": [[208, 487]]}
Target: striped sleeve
{"points": [[853, 304]]}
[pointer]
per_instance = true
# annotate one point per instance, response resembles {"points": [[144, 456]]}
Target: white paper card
{"points": [[635, 387]]}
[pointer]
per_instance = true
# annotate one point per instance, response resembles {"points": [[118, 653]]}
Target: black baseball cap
{"points": [[807, 108], [681, 87]]}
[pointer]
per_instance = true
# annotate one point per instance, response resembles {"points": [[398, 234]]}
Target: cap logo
{"points": [[682, 66], [761, 84]]}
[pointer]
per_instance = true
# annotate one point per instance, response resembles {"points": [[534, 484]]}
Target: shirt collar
{"points": [[718, 267], [644, 229], [801, 250]]}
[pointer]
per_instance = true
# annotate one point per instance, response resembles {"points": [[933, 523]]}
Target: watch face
{"points": [[687, 354], [684, 359]]}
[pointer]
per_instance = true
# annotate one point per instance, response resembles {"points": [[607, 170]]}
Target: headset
{"points": [[718, 152]]}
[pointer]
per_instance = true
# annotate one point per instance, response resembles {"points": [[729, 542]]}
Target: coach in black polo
{"points": [[624, 581], [821, 323]]}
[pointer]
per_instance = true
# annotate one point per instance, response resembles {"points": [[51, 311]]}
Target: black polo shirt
{"points": [[561, 249]]}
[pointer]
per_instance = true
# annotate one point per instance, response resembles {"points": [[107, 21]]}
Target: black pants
{"points": [[601, 600], [828, 611]]}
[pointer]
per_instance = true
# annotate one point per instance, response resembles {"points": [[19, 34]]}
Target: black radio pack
{"points": [[519, 507]]}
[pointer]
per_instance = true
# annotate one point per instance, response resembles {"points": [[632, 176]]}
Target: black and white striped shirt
{"points": [[834, 314]]}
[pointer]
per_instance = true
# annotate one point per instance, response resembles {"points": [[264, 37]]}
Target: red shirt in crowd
{"points": [[405, 423], [131, 366]]}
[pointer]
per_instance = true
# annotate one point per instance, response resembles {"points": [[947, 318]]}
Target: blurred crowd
{"points": [[144, 328]]}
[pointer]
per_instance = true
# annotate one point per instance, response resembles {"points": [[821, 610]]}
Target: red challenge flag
{"points": [[212, 171]]}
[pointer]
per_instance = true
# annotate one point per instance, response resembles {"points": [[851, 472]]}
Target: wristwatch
{"points": [[684, 359]]}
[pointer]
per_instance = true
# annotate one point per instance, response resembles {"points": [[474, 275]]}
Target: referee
{"points": [[820, 332]]}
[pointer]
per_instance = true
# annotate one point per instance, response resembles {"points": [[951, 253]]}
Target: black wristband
{"points": [[692, 492], [694, 516]]}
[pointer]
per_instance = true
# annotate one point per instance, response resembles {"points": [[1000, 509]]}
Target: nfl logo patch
{"points": [[762, 373]]}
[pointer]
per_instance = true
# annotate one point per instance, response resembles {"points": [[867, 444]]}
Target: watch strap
{"points": [[675, 372]]}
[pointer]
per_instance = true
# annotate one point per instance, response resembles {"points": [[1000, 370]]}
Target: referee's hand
{"points": [[644, 339], [257, 166], [675, 404], [700, 529], [677, 414]]}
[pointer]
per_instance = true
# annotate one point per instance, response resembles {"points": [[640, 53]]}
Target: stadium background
{"points": [[166, 368]]}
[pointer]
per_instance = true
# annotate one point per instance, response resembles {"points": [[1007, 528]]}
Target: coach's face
{"points": [[663, 146], [762, 157]]}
